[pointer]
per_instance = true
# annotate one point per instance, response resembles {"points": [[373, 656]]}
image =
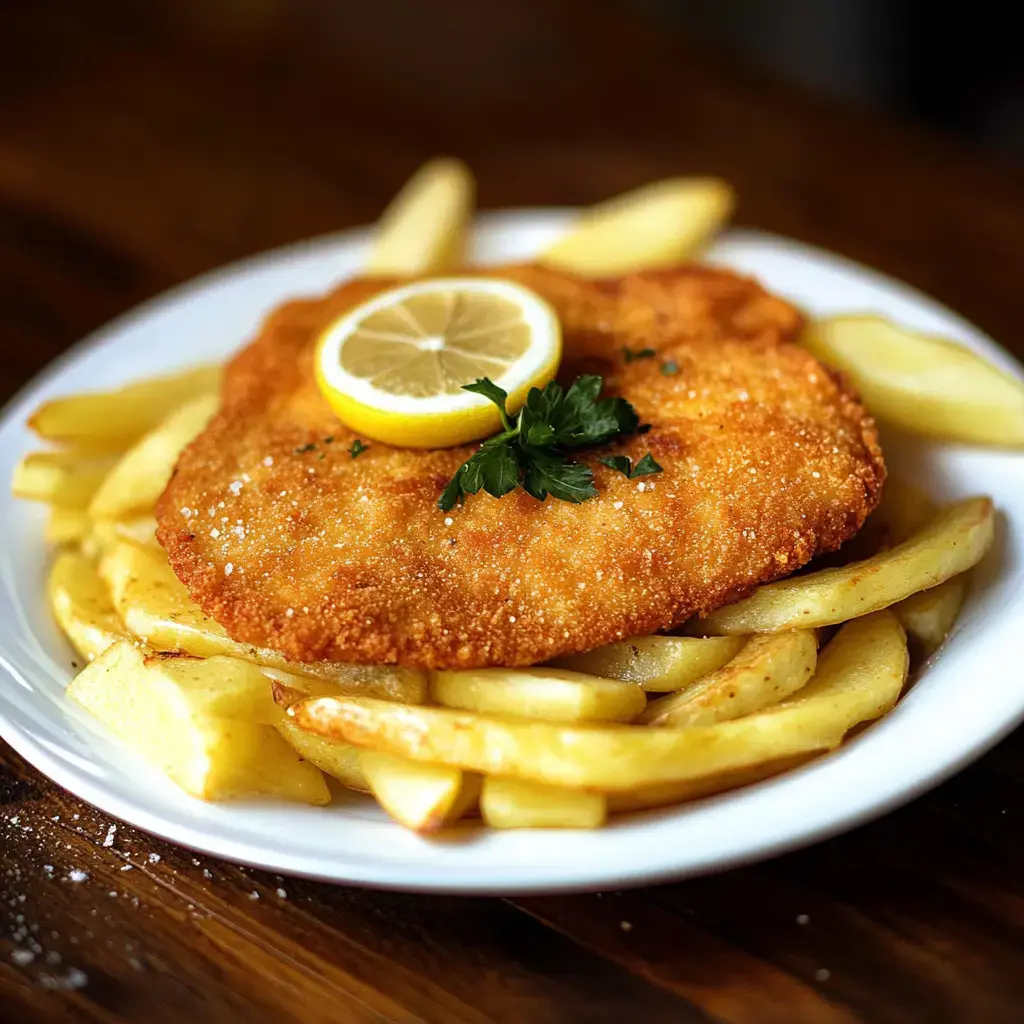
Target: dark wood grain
{"points": [[142, 144]]}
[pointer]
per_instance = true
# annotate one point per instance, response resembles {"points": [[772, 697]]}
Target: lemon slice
{"points": [[393, 368]]}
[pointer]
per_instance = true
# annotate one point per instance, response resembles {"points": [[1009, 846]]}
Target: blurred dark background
{"points": [[958, 67]]}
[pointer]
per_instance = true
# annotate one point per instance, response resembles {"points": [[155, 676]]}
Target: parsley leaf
{"points": [[640, 353], [529, 452], [356, 448], [550, 472], [569, 419], [486, 387], [620, 463], [644, 467]]}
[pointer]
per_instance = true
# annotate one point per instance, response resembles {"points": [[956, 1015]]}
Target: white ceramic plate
{"points": [[965, 700]]}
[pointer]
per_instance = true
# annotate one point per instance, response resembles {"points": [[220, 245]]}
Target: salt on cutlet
{"points": [[291, 543]]}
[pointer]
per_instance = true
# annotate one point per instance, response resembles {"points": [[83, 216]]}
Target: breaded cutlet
{"points": [[768, 460]]}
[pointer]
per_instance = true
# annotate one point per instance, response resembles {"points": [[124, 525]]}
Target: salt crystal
{"points": [[22, 957], [254, 895], [229, 568], [154, 858], [109, 838], [73, 979], [268, 461], [448, 520], [77, 875], [282, 894], [235, 487]]}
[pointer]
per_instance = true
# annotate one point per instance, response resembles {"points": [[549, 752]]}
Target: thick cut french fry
{"points": [[108, 533], [922, 384], [513, 803], [656, 663], [423, 230], [955, 540], [765, 672], [859, 677], [81, 605], [419, 796], [929, 616], [334, 757], [139, 478], [550, 694], [113, 420], [667, 793], [66, 479], [67, 525], [655, 225], [193, 720], [157, 609]]}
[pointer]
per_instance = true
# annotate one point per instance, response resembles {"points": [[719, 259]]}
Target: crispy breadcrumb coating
{"points": [[290, 542]]}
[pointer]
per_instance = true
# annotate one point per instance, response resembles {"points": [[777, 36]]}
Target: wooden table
{"points": [[141, 144]]}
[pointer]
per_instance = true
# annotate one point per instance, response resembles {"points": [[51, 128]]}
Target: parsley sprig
{"points": [[644, 467], [529, 451]]}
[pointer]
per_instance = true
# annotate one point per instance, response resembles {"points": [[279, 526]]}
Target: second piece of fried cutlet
{"points": [[289, 542]]}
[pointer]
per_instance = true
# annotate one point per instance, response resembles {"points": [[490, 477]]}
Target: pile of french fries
{"points": [[754, 689]]}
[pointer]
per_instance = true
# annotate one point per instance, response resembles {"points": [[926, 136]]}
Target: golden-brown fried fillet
{"points": [[768, 460]]}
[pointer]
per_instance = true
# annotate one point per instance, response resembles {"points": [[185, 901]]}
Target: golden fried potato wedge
{"points": [[655, 225], [139, 478], [170, 711], [334, 757], [113, 420], [860, 675], [929, 616], [67, 526], [955, 540], [81, 605], [656, 663], [513, 803], [66, 479], [766, 671], [666, 793], [550, 694], [108, 533], [920, 383], [419, 796], [157, 608], [423, 230]]}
